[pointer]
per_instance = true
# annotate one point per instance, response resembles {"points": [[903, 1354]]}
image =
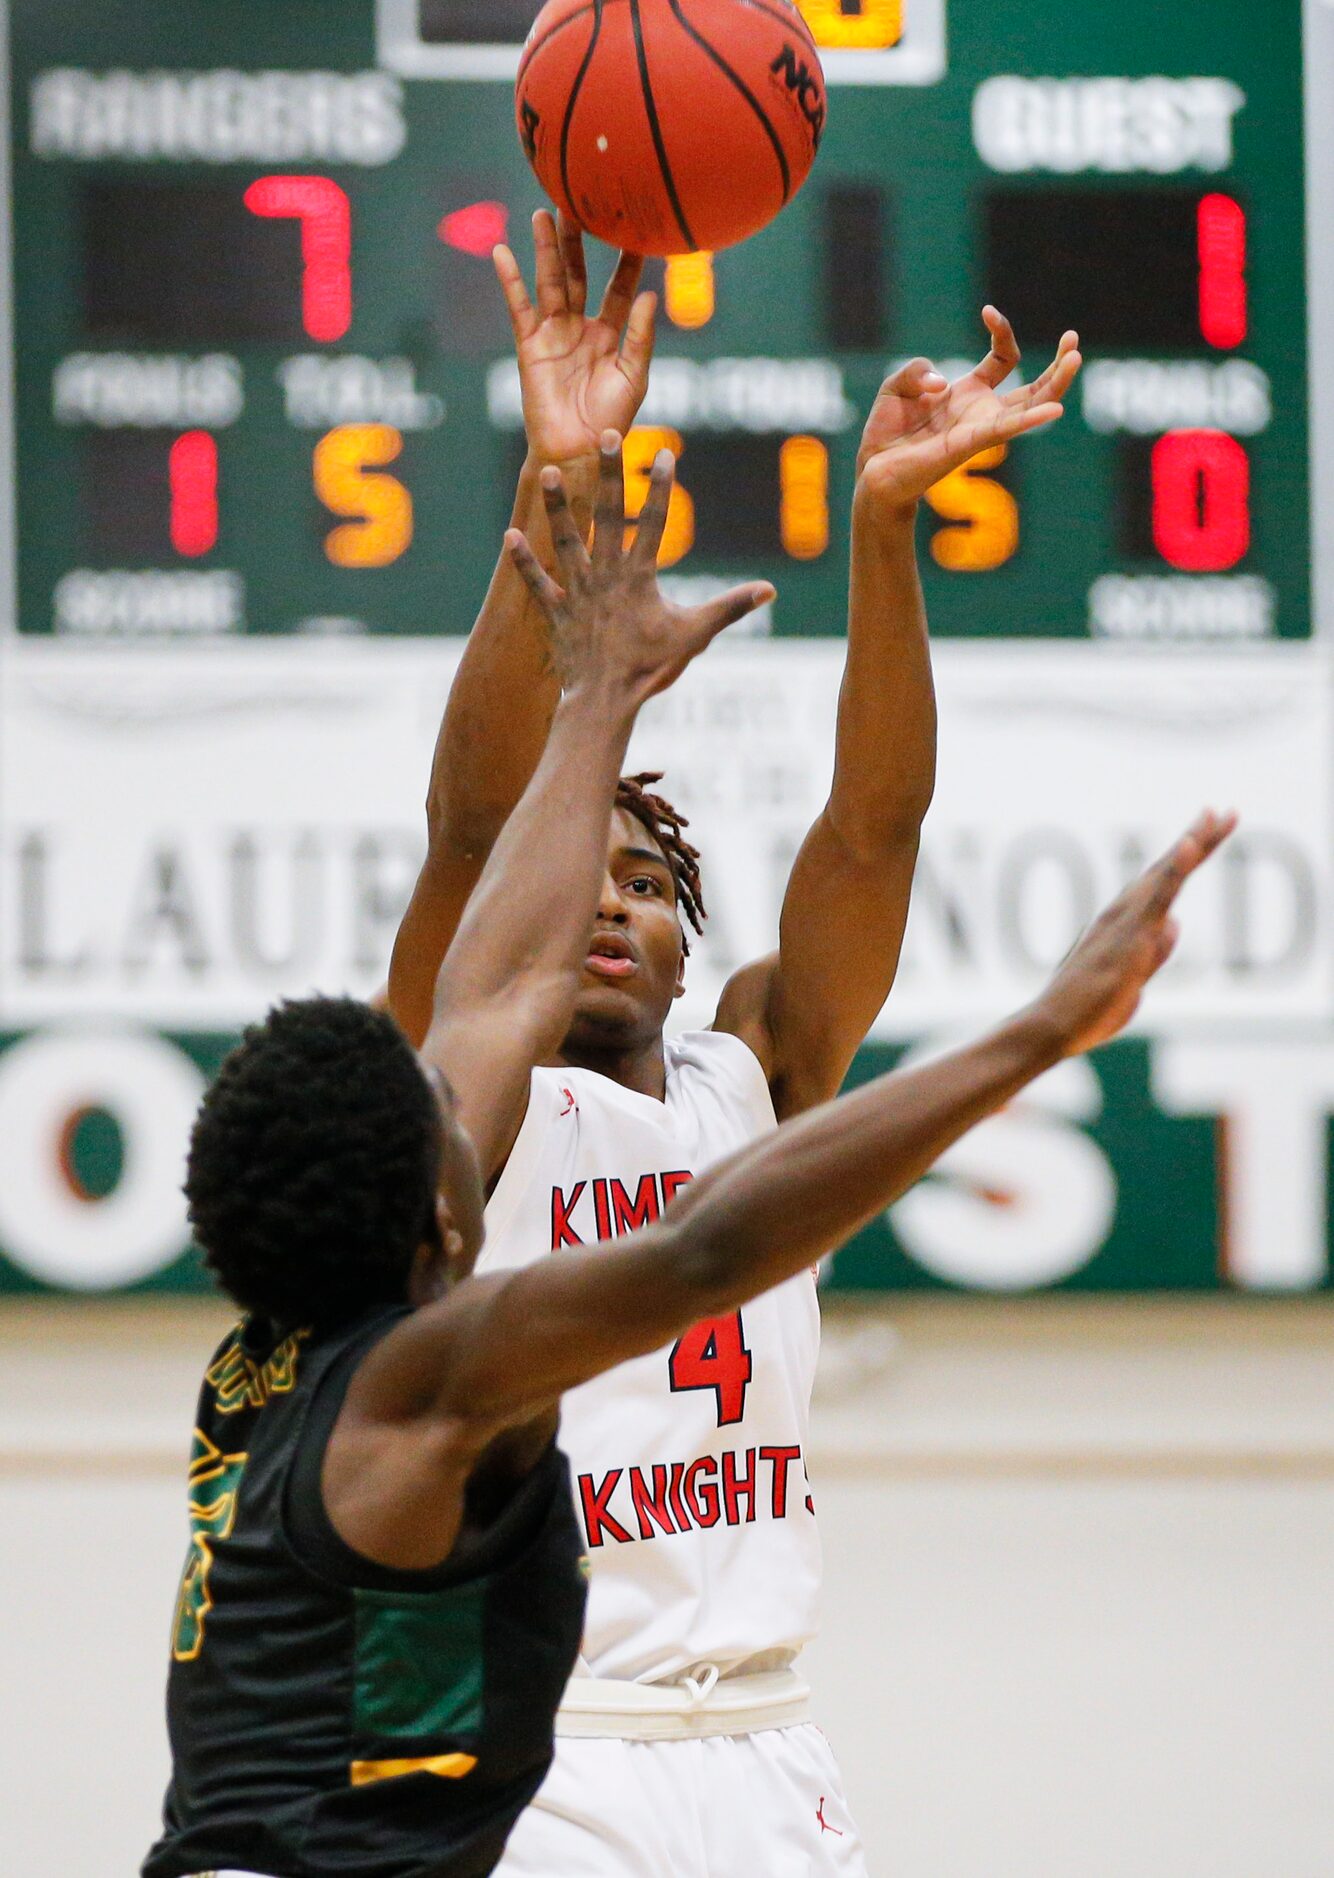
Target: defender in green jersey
{"points": [[382, 1597]]}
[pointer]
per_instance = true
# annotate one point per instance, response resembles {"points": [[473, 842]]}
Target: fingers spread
{"points": [[543, 588], [572, 260], [653, 517], [1004, 353], [913, 379], [730, 607], [552, 295], [1061, 372], [1056, 381], [621, 291], [565, 538], [637, 349], [1025, 418], [609, 514], [522, 317]]}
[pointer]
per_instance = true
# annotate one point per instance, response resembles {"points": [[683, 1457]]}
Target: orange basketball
{"points": [[667, 126]]}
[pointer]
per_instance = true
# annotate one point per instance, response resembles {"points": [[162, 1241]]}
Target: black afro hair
{"points": [[313, 1163]]}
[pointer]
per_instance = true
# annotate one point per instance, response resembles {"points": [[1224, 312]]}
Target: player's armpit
{"points": [[805, 1009], [745, 1007]]}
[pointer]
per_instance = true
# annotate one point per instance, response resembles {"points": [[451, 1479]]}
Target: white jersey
{"points": [[689, 1465]]}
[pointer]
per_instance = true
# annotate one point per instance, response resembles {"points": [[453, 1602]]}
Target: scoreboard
{"points": [[263, 381]]}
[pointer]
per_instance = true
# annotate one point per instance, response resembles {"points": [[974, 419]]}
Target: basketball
{"points": [[669, 126]]}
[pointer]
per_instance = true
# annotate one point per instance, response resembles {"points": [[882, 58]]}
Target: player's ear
{"points": [[439, 1260], [451, 1241], [427, 1278], [679, 989]]}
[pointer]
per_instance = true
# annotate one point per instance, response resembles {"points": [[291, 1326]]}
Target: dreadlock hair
{"points": [[313, 1162], [664, 823]]}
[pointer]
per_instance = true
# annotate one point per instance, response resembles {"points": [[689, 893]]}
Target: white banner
{"points": [[187, 834]]}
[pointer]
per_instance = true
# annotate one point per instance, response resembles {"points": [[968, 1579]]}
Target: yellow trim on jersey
{"points": [[210, 1518], [445, 1766], [239, 1382]]}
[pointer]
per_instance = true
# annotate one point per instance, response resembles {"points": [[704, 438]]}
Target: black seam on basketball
{"points": [[669, 181], [530, 52], [745, 91], [575, 89], [785, 17]]}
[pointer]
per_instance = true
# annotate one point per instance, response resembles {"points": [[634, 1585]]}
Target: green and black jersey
{"points": [[328, 1715]]}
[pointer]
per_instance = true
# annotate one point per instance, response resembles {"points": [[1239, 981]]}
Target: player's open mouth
{"points": [[610, 956]]}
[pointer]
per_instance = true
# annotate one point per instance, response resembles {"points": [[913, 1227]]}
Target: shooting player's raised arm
{"points": [[805, 1009], [580, 376]]}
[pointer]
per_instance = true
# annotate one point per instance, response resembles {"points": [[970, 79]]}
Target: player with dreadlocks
{"points": [[666, 825], [685, 1748]]}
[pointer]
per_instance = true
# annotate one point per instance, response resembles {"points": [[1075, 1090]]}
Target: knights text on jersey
{"points": [[689, 1465]]}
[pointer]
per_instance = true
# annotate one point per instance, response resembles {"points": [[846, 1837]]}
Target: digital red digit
{"points": [[192, 472], [325, 215], [1221, 232], [1201, 500], [713, 1355]]}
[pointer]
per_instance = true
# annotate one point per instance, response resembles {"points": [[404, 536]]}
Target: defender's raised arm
{"points": [[805, 1010], [506, 991], [781, 1204]]}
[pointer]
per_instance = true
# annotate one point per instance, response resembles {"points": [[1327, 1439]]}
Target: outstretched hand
{"points": [[1097, 990], [921, 427], [609, 622], [580, 375]]}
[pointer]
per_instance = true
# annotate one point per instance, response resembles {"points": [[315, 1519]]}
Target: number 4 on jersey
{"points": [[713, 1355]]}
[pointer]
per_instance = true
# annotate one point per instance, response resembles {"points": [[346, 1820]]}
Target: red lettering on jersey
{"points": [[713, 1355], [702, 1498], [673, 1182], [651, 1506], [670, 1497], [735, 1490], [562, 1232], [782, 1459], [597, 1519], [678, 1504], [633, 1216], [614, 1212], [601, 1209]]}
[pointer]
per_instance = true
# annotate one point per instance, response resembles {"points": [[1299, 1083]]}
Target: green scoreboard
{"points": [[263, 379]]}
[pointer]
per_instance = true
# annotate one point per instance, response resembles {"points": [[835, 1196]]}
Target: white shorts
{"points": [[766, 1805]]}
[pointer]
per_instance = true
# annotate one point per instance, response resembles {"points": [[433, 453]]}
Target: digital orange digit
{"points": [[349, 481], [803, 480], [641, 446], [984, 516], [869, 25], [689, 294]]}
